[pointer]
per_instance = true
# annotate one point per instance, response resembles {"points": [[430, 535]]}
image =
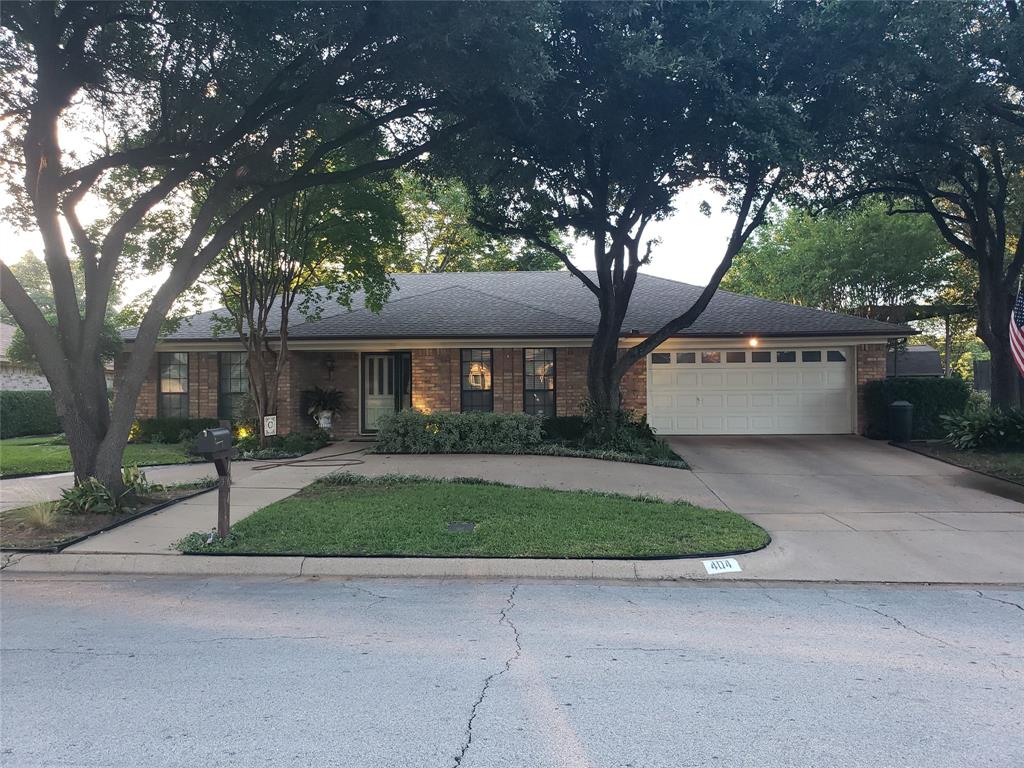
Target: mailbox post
{"points": [[214, 444]]}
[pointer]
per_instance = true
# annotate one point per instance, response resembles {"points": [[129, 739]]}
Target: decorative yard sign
{"points": [[722, 565], [270, 425]]}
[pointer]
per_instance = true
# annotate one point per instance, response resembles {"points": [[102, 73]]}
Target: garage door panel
{"points": [[812, 397]]}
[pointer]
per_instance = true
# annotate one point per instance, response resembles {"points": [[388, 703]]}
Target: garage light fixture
{"points": [[753, 341]]}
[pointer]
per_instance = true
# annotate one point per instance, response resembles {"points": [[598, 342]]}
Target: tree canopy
{"points": [[846, 260], [439, 234], [246, 101], [935, 117], [646, 100]]}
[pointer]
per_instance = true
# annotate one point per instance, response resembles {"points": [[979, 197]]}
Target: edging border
{"points": [[60, 547], [910, 447]]}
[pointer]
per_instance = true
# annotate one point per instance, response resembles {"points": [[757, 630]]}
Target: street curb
{"points": [[14, 566], [228, 565]]}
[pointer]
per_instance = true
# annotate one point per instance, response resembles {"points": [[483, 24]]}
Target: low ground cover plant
{"points": [[986, 428], [282, 446]]}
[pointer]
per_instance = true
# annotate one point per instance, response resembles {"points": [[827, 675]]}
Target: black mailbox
{"points": [[213, 443]]}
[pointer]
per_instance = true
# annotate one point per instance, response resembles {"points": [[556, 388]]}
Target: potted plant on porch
{"points": [[323, 404]]}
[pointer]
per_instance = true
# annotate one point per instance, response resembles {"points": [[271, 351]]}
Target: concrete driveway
{"points": [[863, 510]]}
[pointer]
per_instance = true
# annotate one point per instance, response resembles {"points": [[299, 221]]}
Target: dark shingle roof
{"points": [[914, 360], [551, 304]]}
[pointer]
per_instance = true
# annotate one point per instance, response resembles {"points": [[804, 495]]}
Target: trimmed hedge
{"points": [[169, 430], [28, 413], [932, 398], [415, 432]]}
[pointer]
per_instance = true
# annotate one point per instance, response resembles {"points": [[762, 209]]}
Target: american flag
{"points": [[1017, 332]]}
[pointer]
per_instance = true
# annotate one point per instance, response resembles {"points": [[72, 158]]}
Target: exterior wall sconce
{"points": [[329, 366], [753, 341]]}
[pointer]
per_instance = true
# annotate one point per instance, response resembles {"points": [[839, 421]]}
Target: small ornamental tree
{"points": [[159, 99], [303, 254], [646, 100]]}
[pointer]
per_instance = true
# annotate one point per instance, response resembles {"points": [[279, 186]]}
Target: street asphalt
{"points": [[159, 671]]}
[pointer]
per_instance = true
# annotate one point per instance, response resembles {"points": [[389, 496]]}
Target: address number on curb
{"points": [[723, 565]]}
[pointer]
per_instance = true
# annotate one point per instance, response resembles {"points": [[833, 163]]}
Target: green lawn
{"points": [[1008, 465], [348, 515], [46, 454]]}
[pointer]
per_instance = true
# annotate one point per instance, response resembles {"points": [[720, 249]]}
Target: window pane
{"points": [[735, 357], [684, 358], [232, 386], [538, 369], [476, 380], [539, 403], [661, 358], [711, 357], [785, 357], [172, 388], [760, 357], [835, 356], [811, 356]]}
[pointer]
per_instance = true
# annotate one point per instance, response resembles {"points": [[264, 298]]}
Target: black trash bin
{"points": [[901, 421]]}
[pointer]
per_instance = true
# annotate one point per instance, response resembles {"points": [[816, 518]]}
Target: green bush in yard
{"points": [[932, 399], [415, 432], [27, 413], [287, 446], [169, 430], [986, 428]]}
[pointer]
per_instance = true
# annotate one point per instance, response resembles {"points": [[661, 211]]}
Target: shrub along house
{"points": [[519, 341]]}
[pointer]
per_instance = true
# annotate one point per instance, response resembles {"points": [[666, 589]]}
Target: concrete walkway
{"points": [[838, 509]]}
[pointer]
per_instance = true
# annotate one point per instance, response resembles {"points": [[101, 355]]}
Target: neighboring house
{"points": [[520, 340], [14, 376], [913, 360]]}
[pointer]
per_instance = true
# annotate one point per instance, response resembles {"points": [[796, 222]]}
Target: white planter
{"points": [[323, 420]]}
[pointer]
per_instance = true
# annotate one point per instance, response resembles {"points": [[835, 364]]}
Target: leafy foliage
{"points": [[986, 428], [329, 399], [439, 234], [27, 413], [287, 446], [411, 431], [91, 497], [932, 399], [844, 260]]}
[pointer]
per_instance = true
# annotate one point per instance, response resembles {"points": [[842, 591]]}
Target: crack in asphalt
{"points": [[377, 598], [983, 596], [62, 652], [503, 619], [11, 559], [892, 618]]}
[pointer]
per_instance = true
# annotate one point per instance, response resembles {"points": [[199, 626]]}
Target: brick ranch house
{"points": [[519, 341]]}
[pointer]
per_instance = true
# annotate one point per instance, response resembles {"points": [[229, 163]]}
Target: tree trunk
{"points": [[1005, 378], [603, 379]]}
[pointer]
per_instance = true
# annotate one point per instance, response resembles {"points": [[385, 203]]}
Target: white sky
{"points": [[691, 244]]}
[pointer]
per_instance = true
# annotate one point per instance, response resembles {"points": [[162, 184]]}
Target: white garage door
{"points": [[751, 392]]}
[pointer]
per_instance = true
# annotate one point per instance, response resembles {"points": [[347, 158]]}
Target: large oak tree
{"points": [[649, 99], [137, 103], [936, 117]]}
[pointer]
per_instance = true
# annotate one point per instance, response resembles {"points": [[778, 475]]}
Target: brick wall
{"points": [[870, 366], [145, 406], [307, 370], [435, 384]]}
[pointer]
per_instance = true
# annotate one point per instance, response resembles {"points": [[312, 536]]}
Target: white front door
{"points": [[751, 391], [378, 389]]}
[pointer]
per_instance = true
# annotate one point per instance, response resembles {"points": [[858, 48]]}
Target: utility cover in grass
{"points": [[349, 515]]}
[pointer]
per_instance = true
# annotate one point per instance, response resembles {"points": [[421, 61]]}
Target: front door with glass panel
{"points": [[387, 386]]}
